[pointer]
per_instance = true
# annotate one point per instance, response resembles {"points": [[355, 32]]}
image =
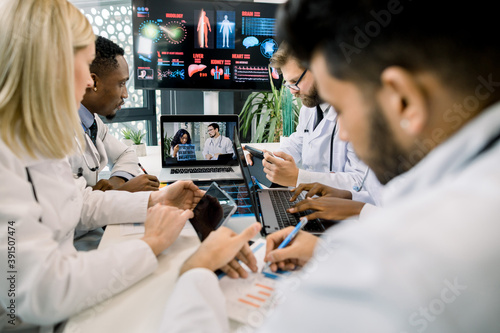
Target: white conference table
{"points": [[139, 309]]}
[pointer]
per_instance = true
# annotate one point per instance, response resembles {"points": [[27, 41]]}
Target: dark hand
{"points": [[328, 208], [102, 185], [320, 190], [141, 183]]}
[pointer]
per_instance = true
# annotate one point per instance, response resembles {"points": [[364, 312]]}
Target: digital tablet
{"points": [[213, 210]]}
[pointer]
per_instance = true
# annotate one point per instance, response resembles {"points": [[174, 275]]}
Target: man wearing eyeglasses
{"points": [[216, 144], [315, 145]]}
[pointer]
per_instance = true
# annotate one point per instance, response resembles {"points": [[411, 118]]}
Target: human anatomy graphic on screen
{"points": [[225, 29], [203, 29]]}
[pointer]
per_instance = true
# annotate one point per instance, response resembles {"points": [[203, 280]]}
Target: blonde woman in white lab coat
{"points": [[44, 71]]}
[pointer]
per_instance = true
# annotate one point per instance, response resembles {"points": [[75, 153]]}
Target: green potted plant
{"points": [[272, 114], [138, 145], [167, 145], [127, 136]]}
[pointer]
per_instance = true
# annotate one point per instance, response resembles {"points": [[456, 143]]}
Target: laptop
{"points": [[190, 162], [270, 204]]}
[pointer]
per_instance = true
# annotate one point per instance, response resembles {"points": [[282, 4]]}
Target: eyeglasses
{"points": [[295, 86]]}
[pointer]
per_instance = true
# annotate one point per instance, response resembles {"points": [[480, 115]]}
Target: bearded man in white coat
{"points": [[315, 152], [417, 91]]}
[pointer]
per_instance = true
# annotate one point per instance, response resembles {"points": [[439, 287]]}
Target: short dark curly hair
{"points": [[105, 56]]}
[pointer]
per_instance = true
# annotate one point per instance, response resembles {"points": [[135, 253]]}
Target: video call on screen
{"points": [[203, 44], [198, 135]]}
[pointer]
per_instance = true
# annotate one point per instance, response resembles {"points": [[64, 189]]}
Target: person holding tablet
{"points": [[44, 72]]}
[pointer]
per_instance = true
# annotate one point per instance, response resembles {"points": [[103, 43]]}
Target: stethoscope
{"points": [[332, 140], [306, 130], [220, 141], [84, 157], [359, 188]]}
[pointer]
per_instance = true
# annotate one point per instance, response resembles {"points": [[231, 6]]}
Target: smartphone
{"points": [[255, 152], [213, 210]]}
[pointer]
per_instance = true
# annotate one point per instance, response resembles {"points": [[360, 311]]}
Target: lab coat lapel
{"points": [[325, 125]]}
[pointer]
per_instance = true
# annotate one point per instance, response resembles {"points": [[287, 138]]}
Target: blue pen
{"points": [[290, 236]]}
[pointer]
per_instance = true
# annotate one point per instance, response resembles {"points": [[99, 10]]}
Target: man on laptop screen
{"points": [[197, 147], [216, 144]]}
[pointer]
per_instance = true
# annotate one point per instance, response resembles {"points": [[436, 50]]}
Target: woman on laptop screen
{"points": [[182, 137]]}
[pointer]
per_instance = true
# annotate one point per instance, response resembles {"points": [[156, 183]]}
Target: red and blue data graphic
{"points": [[142, 12], [171, 74], [204, 45], [237, 190], [251, 73]]}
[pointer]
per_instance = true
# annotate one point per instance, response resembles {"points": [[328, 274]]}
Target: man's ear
{"points": [[405, 99], [96, 80]]}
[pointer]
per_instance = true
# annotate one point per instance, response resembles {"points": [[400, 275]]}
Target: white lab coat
{"points": [[311, 147], [370, 189], [107, 151], [53, 280], [425, 262], [312, 150], [220, 145]]}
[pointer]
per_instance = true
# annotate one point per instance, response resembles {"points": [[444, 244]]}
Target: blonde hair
{"points": [[281, 57], [38, 111]]}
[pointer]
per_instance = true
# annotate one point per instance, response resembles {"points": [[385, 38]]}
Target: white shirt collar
{"points": [[449, 157]]}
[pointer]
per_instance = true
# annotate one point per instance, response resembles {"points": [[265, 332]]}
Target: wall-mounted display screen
{"points": [[206, 45]]}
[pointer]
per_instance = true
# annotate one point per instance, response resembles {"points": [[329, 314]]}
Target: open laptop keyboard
{"points": [[201, 170], [281, 202]]}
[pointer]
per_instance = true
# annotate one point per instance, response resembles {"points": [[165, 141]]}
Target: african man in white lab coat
{"points": [[110, 74]]}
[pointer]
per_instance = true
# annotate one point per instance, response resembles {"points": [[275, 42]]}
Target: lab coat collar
{"points": [[324, 107], [449, 158], [330, 117], [86, 117]]}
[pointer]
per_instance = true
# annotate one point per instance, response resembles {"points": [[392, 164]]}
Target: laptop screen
{"points": [[195, 140], [247, 177]]}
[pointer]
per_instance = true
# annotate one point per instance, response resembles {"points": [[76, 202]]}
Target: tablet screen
{"points": [[213, 210]]}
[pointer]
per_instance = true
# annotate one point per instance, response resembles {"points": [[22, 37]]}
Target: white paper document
{"points": [[249, 300]]}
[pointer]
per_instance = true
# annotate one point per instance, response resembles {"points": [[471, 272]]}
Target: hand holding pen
{"points": [[142, 168], [279, 255]]}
